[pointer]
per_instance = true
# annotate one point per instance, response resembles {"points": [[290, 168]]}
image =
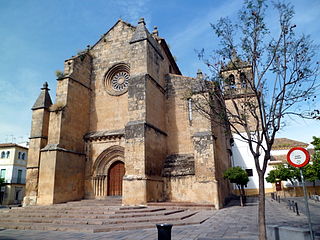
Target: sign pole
{"points": [[299, 157], [306, 203]]}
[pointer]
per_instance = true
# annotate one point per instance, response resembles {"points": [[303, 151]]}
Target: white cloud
{"points": [[133, 10], [199, 26]]}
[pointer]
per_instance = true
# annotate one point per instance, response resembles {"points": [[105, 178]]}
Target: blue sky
{"points": [[36, 36]]}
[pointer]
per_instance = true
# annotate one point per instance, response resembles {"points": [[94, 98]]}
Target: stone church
{"points": [[121, 125]]}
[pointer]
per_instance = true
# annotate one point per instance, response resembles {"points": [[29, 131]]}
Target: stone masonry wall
{"points": [[62, 160], [192, 136], [110, 112]]}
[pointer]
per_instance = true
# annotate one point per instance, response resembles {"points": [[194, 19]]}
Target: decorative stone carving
{"points": [[117, 79]]}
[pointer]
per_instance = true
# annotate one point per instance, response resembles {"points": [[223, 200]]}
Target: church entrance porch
{"points": [[107, 173]]}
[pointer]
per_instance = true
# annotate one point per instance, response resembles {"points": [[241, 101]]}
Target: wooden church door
{"points": [[115, 175]]}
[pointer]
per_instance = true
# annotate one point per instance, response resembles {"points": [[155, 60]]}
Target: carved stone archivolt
{"points": [[106, 159], [99, 175]]}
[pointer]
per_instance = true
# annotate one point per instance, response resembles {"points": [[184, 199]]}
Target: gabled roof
{"points": [[285, 143], [141, 33], [119, 21], [44, 99], [6, 145]]}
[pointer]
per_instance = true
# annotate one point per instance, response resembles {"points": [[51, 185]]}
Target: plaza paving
{"points": [[232, 222]]}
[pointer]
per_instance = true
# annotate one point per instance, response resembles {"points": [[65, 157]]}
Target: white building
{"points": [[242, 157], [13, 162]]}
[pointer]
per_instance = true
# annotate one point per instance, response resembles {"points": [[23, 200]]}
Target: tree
{"points": [[316, 155], [281, 81], [240, 177], [284, 172], [310, 174], [273, 176]]}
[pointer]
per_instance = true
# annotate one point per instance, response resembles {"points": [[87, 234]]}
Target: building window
{"points": [[8, 154], [23, 156], [231, 81], [19, 176], [17, 197], [190, 109], [117, 79], [3, 173], [249, 172], [3, 154], [243, 80], [19, 155]]}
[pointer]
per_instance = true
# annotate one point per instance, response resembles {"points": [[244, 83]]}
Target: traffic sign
{"points": [[298, 157]]}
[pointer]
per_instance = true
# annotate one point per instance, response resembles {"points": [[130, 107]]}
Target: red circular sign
{"points": [[298, 157]]}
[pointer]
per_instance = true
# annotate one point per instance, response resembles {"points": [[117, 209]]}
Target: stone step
{"points": [[149, 209], [67, 207], [71, 210], [87, 216], [93, 203], [195, 219], [48, 227], [86, 221], [144, 214], [182, 205], [132, 207], [68, 212], [95, 216], [56, 215]]}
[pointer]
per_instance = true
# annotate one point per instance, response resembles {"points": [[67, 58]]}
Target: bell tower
{"points": [[238, 91]]}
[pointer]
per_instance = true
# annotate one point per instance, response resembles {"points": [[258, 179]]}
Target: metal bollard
{"points": [[278, 199], [297, 210], [272, 196], [289, 204], [164, 231], [293, 207]]}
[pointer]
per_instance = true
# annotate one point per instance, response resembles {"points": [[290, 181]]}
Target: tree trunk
{"points": [[241, 199], [261, 209], [244, 197]]}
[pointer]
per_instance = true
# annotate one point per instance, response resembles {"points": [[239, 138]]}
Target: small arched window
{"points": [[8, 154], [19, 155], [243, 79], [3, 154], [23, 155], [231, 81]]}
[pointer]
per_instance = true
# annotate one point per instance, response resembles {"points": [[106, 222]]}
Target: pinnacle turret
{"points": [[44, 99]]}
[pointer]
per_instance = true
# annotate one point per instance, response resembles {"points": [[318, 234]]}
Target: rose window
{"points": [[117, 79], [120, 81]]}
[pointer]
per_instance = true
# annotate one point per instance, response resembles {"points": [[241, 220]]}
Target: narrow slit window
{"points": [[190, 109]]}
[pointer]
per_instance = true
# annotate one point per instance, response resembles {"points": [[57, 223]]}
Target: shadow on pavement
{"points": [[235, 201]]}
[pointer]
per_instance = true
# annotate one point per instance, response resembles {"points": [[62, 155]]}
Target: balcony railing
{"points": [[16, 181]]}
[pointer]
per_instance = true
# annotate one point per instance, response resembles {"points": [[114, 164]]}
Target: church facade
{"points": [[121, 125]]}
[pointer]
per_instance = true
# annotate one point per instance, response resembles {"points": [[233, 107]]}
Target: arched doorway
{"points": [[115, 175], [107, 173]]}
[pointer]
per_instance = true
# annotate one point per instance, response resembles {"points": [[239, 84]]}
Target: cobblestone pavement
{"points": [[233, 222]]}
